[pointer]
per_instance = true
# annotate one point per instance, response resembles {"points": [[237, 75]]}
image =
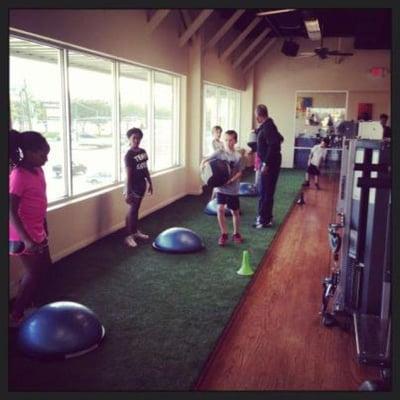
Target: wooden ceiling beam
{"points": [[252, 46], [194, 26], [156, 20], [259, 55], [240, 38], [224, 29]]}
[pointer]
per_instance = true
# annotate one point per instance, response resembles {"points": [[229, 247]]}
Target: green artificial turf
{"points": [[163, 313]]}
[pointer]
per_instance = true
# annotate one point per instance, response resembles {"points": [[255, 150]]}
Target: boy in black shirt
{"points": [[136, 176]]}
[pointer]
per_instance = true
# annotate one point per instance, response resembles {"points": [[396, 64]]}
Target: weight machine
{"points": [[357, 293]]}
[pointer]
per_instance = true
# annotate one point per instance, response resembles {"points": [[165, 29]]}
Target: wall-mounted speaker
{"points": [[290, 48]]}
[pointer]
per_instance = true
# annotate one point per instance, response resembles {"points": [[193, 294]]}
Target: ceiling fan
{"points": [[323, 52]]}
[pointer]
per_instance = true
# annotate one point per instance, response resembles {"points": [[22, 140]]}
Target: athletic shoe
{"points": [[237, 238], [130, 241], [223, 239], [140, 235], [262, 226], [306, 184]]}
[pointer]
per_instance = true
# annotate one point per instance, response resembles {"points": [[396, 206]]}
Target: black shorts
{"points": [[232, 201], [313, 170]]}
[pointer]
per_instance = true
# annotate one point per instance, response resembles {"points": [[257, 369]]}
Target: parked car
{"points": [[77, 169], [100, 177]]}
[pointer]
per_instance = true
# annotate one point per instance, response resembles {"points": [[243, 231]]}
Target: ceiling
{"points": [[371, 27]]}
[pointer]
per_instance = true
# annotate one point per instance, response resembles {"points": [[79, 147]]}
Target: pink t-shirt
{"points": [[31, 188]]}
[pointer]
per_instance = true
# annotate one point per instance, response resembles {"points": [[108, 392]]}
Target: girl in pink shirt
{"points": [[27, 219]]}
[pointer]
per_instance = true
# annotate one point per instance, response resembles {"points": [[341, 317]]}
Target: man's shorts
{"points": [[313, 170], [232, 201]]}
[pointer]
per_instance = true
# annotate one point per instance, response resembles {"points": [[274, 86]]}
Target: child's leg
{"points": [[35, 269], [236, 221], [132, 217], [221, 218]]}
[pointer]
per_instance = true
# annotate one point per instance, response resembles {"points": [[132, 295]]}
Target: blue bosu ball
{"points": [[211, 208], [248, 189], [178, 240], [63, 329]]}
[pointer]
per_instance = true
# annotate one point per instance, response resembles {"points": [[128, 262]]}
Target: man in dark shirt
{"points": [[387, 131], [269, 150]]}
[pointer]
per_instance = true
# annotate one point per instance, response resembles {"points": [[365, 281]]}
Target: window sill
{"points": [[96, 192]]}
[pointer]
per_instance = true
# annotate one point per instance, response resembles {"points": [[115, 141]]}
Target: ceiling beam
{"points": [[260, 37], [156, 20], [194, 26], [224, 28], [240, 38], [187, 20], [259, 54]]}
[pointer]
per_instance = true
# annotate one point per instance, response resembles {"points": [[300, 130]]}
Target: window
{"points": [[134, 92], [164, 121], [91, 101], [84, 104], [35, 103], [221, 107]]}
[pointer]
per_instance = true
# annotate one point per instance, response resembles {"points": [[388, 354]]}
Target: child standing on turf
{"points": [[317, 155], [136, 176], [228, 194], [28, 233]]}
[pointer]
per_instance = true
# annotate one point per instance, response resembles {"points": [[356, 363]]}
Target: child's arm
{"points": [[128, 183], [147, 176], [235, 177], [208, 158], [19, 226]]}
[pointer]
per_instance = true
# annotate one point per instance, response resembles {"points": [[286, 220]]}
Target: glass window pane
{"points": [[210, 116], [35, 102], [134, 94], [163, 91], [221, 107], [91, 99]]}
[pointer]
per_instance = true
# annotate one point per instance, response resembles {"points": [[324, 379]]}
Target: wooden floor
{"points": [[276, 340]]}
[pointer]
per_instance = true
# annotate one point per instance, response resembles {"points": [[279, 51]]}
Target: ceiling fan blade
{"points": [[261, 14], [339, 53]]}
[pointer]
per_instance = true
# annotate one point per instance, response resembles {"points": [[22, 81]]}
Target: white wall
{"points": [[277, 77]]}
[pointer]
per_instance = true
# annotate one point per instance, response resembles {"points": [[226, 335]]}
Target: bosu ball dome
{"points": [[60, 330], [178, 240], [248, 189], [212, 206]]}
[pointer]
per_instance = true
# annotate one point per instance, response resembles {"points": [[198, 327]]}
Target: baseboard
{"points": [[83, 243]]}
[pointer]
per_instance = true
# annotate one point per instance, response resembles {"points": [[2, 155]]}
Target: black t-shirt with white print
{"points": [[136, 160]]}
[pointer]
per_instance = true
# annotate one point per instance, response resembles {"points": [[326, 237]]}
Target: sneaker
{"points": [[237, 238], [140, 235], [223, 239], [306, 184], [130, 241], [266, 225], [256, 222]]}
